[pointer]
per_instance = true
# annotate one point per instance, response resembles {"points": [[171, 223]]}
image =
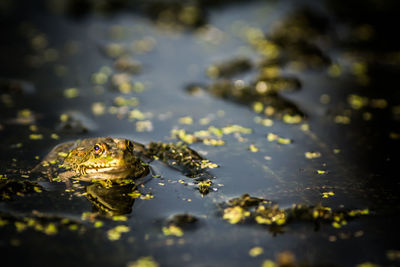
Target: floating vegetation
{"points": [[296, 37], [267, 80], [71, 93], [172, 230], [235, 214], [25, 116], [312, 155], [146, 196], [264, 122], [327, 194], [10, 188], [250, 209], [229, 68], [127, 64], [143, 262], [256, 251], [213, 142], [98, 108], [208, 137], [342, 119], [271, 137], [204, 186], [263, 96], [36, 136], [48, 225], [74, 122], [144, 126], [359, 102], [115, 233], [176, 15], [253, 148], [175, 225], [186, 120], [283, 259], [393, 255], [181, 157], [289, 119]]}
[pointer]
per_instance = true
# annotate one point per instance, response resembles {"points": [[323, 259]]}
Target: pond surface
{"points": [[129, 73]]}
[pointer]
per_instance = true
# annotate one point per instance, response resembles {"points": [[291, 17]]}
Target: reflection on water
{"points": [[115, 200]]}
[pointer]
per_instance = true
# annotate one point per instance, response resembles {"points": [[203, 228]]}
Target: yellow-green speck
{"points": [[172, 230], [256, 251], [143, 262], [115, 233], [71, 92]]}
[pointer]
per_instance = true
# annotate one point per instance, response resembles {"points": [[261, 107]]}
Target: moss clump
{"points": [[263, 211], [178, 156]]}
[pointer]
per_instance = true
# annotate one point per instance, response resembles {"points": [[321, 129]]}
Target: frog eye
{"points": [[129, 145], [98, 149]]}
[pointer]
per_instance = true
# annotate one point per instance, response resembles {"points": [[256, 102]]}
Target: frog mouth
{"points": [[103, 168]]}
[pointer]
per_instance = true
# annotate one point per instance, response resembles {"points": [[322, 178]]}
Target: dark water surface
{"points": [[48, 48]]}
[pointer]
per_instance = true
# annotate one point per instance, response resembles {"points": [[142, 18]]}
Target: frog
{"points": [[102, 158], [115, 159]]}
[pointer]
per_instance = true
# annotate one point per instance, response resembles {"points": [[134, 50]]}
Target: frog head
{"points": [[104, 158]]}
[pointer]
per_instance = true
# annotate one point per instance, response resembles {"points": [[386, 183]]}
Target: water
{"points": [[361, 176]]}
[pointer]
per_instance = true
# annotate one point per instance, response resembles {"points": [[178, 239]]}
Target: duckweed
{"points": [[172, 230], [235, 214], [143, 262], [256, 251], [71, 93], [116, 232], [312, 155]]}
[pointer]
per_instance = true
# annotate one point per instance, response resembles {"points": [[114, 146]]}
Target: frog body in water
{"points": [[95, 158], [107, 158]]}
